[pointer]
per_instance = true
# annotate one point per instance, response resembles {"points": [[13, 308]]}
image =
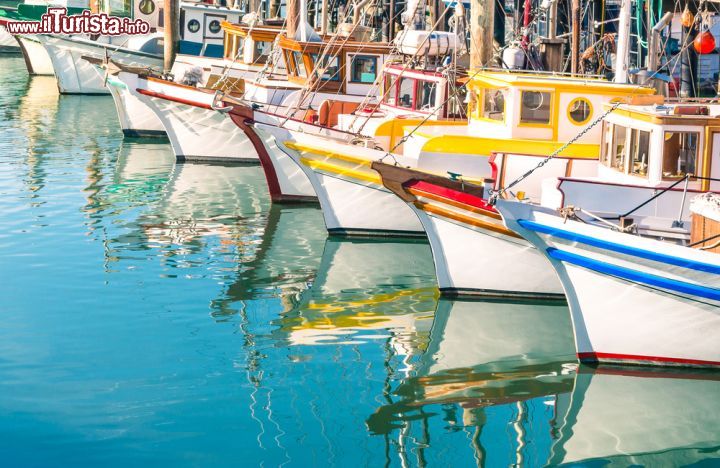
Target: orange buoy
{"points": [[704, 42]]}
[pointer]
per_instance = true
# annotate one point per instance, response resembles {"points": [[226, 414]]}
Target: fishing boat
{"points": [[341, 98], [633, 299], [645, 149], [195, 121], [36, 57], [620, 416], [513, 116], [78, 76], [240, 58], [343, 120], [8, 44]]}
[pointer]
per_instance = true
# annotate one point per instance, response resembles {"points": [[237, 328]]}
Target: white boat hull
{"points": [[8, 44], [36, 57], [78, 76], [474, 261], [286, 179], [196, 131], [632, 299], [354, 201], [136, 118]]}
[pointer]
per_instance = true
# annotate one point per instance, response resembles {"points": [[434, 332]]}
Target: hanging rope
{"points": [[497, 194]]}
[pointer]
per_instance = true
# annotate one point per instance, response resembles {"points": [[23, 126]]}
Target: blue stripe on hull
{"points": [[623, 249], [635, 276]]}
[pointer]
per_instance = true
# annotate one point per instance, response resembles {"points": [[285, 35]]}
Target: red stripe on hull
{"points": [[187, 102], [451, 194], [629, 358]]}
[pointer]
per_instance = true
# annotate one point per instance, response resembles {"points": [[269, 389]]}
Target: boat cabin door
{"points": [[712, 158]]}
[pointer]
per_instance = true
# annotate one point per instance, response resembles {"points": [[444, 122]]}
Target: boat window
{"points": [[607, 142], [617, 160], [120, 8], [407, 93], [426, 91], [640, 148], [680, 153], [493, 104], [390, 90], [299, 64], [535, 107], [456, 105], [262, 50], [330, 67], [579, 111], [363, 69]]}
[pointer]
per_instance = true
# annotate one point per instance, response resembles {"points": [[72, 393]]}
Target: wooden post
{"points": [[482, 18], [292, 16], [324, 18], [171, 21], [275, 8], [575, 37]]}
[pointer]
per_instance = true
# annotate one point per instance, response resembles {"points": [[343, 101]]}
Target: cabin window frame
{"points": [[698, 155], [413, 93], [463, 106], [481, 105], [337, 76], [257, 51], [390, 81], [590, 110], [296, 66], [418, 90], [351, 62], [610, 148], [634, 152], [551, 106]]}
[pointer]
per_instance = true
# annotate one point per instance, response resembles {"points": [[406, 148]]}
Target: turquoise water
{"points": [[161, 313]]}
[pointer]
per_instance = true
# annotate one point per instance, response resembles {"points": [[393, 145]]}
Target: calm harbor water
{"points": [[162, 313]]}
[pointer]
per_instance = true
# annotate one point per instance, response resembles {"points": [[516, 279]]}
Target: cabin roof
{"points": [[258, 32], [509, 79], [665, 114]]}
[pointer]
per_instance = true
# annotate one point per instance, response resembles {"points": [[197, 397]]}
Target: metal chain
{"points": [[497, 194]]}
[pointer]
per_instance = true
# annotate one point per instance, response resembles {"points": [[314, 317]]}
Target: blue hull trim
{"points": [[623, 249], [635, 276]]}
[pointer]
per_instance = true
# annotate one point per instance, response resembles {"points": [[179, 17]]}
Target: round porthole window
{"points": [[193, 26], [533, 100], [214, 26], [147, 7], [579, 111]]}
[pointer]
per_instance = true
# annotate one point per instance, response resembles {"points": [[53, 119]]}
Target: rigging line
{"points": [[309, 81], [381, 76], [321, 59], [498, 193], [372, 92], [307, 89], [311, 86], [427, 117]]}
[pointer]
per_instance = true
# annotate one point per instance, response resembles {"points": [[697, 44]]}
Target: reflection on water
{"points": [[363, 290], [492, 371], [156, 312], [641, 417]]}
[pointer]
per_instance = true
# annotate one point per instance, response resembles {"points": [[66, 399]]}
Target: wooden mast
{"points": [[292, 18], [482, 18], [171, 21], [575, 37]]}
